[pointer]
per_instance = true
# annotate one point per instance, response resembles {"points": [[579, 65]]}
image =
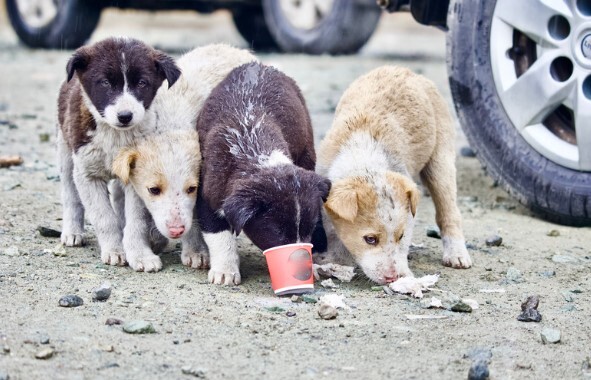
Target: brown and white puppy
{"points": [[103, 106], [161, 172], [390, 125], [258, 167]]}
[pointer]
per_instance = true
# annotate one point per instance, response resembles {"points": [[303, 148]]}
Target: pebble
{"points": [[197, 372], [113, 321], [513, 276], [44, 354], [102, 293], [44, 339], [43, 137], [550, 336], [48, 232], [461, 307], [494, 241], [275, 309], [291, 314], [548, 273], [11, 251], [529, 312], [296, 299], [564, 259], [327, 312], [139, 327], [328, 283], [553, 233], [59, 250], [71, 300], [309, 299], [433, 232], [467, 151], [479, 371]]}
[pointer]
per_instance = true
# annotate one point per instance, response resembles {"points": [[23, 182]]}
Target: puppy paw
{"points": [[455, 254], [197, 260], [72, 239], [224, 278], [113, 257], [148, 262]]}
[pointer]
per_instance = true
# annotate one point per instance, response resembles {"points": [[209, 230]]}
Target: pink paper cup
{"points": [[290, 267]]}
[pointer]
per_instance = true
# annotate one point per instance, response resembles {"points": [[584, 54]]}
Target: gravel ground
{"points": [[213, 332]]}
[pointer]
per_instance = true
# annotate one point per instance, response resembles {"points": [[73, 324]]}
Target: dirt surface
{"points": [[233, 332]]}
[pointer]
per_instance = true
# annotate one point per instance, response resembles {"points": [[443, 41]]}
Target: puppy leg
{"points": [[73, 211], [194, 253], [440, 178], [222, 246], [136, 235], [117, 197], [95, 198]]}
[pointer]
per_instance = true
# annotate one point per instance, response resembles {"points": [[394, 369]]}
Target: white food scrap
{"points": [[335, 300], [414, 286]]}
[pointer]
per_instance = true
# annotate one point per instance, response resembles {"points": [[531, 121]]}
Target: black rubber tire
{"points": [[74, 23], [554, 192], [251, 25], [344, 31]]}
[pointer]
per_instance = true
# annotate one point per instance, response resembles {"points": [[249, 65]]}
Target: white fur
{"points": [[455, 253], [73, 211], [276, 158], [126, 102], [225, 263]]}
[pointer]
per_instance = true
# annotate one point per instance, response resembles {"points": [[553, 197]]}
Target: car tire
{"points": [[250, 22], [555, 192], [343, 30], [74, 22]]}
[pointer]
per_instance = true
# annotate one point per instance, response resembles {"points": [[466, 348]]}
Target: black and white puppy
{"points": [[104, 106], [258, 167]]}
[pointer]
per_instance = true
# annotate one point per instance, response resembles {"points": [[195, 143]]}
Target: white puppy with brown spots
{"points": [[161, 172], [389, 126]]}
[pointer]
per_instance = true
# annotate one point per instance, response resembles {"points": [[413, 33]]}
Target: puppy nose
{"points": [[125, 117], [176, 232], [390, 279]]}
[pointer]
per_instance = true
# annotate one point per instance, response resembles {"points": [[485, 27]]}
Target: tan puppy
{"points": [[389, 126]]}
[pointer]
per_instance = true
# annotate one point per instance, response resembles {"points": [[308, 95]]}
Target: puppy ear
{"points": [[342, 201], [124, 163], [408, 189], [167, 68], [324, 187], [239, 208], [78, 62]]}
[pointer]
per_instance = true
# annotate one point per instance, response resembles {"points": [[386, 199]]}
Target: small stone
{"points": [[467, 151], [461, 307], [328, 283], [59, 251], [529, 312], [513, 276], [296, 299], [448, 300], [548, 273], [433, 232], [493, 241], [102, 293], [327, 312], [113, 321], [564, 259], [108, 348], [377, 288], [11, 251], [291, 314], [550, 336], [197, 372], [139, 327], [479, 370], [43, 137], [71, 300], [45, 353], [309, 299], [44, 339], [576, 291], [275, 309], [48, 232], [553, 233], [5, 350]]}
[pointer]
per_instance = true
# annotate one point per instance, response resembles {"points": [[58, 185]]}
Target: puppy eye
{"points": [[371, 239], [142, 83], [154, 190], [191, 189], [105, 83]]}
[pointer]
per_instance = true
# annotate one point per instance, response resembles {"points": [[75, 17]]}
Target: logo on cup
{"points": [[301, 263]]}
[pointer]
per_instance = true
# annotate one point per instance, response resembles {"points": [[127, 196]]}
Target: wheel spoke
{"points": [[531, 16], [583, 128], [534, 94]]}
